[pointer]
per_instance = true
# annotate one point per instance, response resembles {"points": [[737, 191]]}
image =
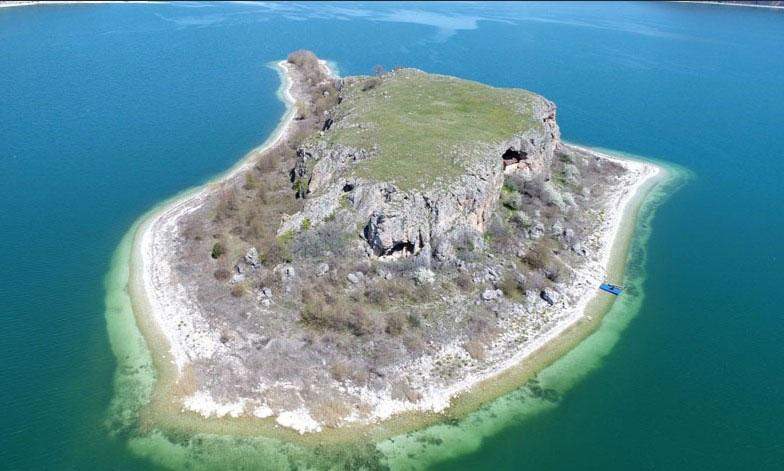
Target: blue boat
{"points": [[612, 289]]}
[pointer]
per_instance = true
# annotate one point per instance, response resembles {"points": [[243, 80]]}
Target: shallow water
{"points": [[110, 109]]}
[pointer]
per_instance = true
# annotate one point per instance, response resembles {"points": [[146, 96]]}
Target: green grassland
{"points": [[423, 128]]}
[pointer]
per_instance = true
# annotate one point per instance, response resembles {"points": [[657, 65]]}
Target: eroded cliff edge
{"points": [[408, 236]]}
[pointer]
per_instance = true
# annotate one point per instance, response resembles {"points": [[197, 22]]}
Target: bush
{"points": [[552, 196], [217, 250], [370, 83], [464, 281], [514, 182], [238, 290], [510, 286], [513, 201], [521, 220], [375, 294], [330, 236], [499, 234], [222, 274], [344, 371], [321, 312], [302, 57], [535, 281], [475, 349], [251, 181], [396, 323]]}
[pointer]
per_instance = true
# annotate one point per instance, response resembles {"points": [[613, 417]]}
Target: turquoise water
{"points": [[106, 110]]}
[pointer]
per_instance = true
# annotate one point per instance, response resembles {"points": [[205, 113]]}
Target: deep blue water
{"points": [[106, 110]]}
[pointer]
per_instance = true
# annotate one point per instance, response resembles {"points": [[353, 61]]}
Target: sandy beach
{"points": [[177, 335]]}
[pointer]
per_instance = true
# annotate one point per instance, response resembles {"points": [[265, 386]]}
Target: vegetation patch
{"points": [[425, 127]]}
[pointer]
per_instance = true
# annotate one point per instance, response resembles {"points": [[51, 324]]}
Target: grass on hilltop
{"points": [[424, 128]]}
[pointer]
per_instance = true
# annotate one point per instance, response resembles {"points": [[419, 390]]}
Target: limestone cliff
{"points": [[399, 220]]}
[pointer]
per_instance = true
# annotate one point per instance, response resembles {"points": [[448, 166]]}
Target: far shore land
{"points": [[156, 313], [65, 2]]}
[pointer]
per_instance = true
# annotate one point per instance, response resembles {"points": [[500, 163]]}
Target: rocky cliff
{"points": [[400, 219]]}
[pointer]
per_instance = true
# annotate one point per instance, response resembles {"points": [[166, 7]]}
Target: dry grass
{"points": [[476, 349]]}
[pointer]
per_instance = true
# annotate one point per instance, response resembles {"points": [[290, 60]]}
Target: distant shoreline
{"points": [[65, 2], [750, 5]]}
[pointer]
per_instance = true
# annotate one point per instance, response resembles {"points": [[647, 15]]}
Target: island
{"points": [[403, 241]]}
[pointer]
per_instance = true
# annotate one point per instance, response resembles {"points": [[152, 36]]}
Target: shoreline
{"points": [[169, 358], [187, 201], [749, 5], [66, 2]]}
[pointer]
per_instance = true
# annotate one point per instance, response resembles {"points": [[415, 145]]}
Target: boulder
{"points": [[322, 269], [424, 276], [491, 294], [547, 296], [252, 257]]}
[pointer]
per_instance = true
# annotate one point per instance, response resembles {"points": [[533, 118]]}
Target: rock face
{"points": [[397, 222]]}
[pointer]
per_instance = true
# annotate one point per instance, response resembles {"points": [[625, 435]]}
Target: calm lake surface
{"points": [[106, 110]]}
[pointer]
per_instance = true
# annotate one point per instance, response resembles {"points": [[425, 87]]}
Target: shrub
{"points": [[475, 349], [521, 220], [217, 250], [283, 245], [330, 412], [513, 201], [330, 236], [305, 225], [510, 286], [251, 181], [344, 371], [535, 281], [318, 311], [514, 182], [370, 83], [270, 161], [396, 323], [238, 290], [414, 342], [302, 57], [303, 110], [375, 294], [300, 188], [464, 281], [498, 233], [222, 274]]}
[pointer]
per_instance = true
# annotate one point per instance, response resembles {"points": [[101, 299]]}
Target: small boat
{"points": [[612, 289]]}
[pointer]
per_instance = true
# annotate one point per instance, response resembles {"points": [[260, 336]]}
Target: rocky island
{"points": [[404, 238]]}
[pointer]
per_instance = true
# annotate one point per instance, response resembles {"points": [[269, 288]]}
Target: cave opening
{"points": [[512, 156]]}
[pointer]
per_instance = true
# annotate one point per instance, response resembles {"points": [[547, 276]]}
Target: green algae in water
{"points": [[421, 449], [135, 375], [135, 378]]}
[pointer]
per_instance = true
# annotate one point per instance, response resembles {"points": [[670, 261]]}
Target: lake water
{"points": [[106, 110]]}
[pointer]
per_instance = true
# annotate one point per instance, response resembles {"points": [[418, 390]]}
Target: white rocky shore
{"points": [[189, 336]]}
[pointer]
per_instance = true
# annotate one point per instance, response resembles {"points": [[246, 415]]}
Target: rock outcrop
{"points": [[397, 222]]}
